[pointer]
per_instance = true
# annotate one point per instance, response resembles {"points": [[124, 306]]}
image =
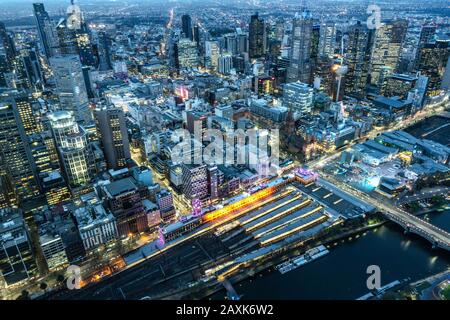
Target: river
{"points": [[342, 273]]}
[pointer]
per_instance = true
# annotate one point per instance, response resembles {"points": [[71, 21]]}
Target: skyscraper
{"points": [[257, 37], [197, 34], [45, 29], [187, 54], [73, 148], [4, 70], [433, 61], [300, 54], [104, 54], [427, 35], [230, 43], [212, 53], [357, 57], [32, 69], [242, 43], [113, 134], [84, 47], [67, 40], [225, 64], [71, 87], [315, 39], [298, 97], [186, 22], [7, 42], [327, 41], [387, 46], [16, 162]]}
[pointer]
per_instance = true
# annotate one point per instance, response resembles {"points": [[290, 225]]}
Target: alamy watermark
{"points": [[74, 278], [374, 280], [256, 148], [374, 20], [73, 17]]}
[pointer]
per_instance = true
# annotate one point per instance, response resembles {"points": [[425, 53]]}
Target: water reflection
{"points": [[342, 273]]}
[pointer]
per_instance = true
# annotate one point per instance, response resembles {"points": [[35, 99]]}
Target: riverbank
{"points": [[342, 273], [424, 289], [212, 287]]}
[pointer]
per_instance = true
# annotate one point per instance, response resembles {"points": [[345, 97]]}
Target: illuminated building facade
{"points": [[225, 64], [45, 29], [357, 57], [264, 85], [53, 250], [327, 41], [186, 22], [387, 47], [195, 181], [16, 257], [257, 40], [298, 97], [398, 85], [427, 35], [123, 199], [187, 54], [300, 55], [67, 42], [16, 160], [212, 54], [164, 200], [54, 187], [433, 61], [96, 226], [114, 136], [71, 87], [24, 103], [74, 150], [84, 46]]}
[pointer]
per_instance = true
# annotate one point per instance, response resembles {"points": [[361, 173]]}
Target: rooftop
{"points": [[120, 186]]}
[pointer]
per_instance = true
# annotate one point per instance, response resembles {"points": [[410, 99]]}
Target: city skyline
{"points": [[190, 150]]}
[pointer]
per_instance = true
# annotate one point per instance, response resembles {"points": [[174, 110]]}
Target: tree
{"points": [[25, 295], [43, 286], [60, 278]]}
